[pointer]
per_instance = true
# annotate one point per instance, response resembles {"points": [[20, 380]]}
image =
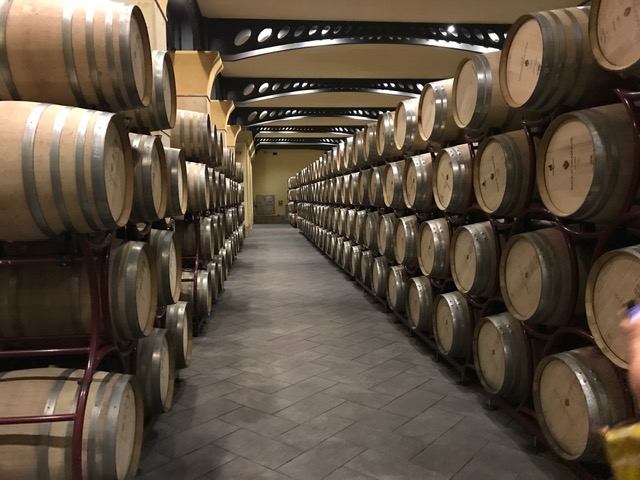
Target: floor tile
{"points": [[359, 395], [265, 451], [384, 467], [314, 431], [243, 469], [370, 416], [309, 408], [192, 465], [258, 400], [194, 438], [258, 382], [321, 460], [258, 422], [384, 441], [413, 403], [304, 389]]}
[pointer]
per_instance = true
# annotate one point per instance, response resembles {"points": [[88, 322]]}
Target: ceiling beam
{"points": [[250, 117]]}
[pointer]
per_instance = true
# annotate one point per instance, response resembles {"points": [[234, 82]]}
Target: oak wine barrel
{"points": [[433, 247], [150, 178], [156, 371], [64, 169], [417, 182], [539, 42], [354, 189], [168, 265], [371, 231], [177, 194], [111, 436], [212, 272], [160, 114], [405, 240], [346, 255], [420, 304], [584, 162], [453, 324], [376, 187], [179, 324], [386, 230], [192, 133], [437, 125], [536, 280], [363, 187], [371, 145], [501, 174], [366, 267], [613, 281], [397, 288], [574, 394], [201, 304], [453, 179], [356, 261], [357, 146], [385, 137], [94, 55], [392, 185], [475, 255], [198, 187], [359, 228], [406, 124], [350, 226], [380, 276]]}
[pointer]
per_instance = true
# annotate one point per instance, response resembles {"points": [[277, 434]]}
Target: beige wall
{"points": [[271, 172]]}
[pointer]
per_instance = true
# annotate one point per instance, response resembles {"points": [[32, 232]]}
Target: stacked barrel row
{"points": [[80, 167], [470, 223], [292, 197]]}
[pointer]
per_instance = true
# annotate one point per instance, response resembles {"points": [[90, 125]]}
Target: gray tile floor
{"points": [[300, 375]]}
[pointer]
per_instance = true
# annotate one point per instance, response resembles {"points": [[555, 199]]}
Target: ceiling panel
{"points": [[304, 99]]}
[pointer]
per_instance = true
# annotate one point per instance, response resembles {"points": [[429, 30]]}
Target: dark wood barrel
{"points": [[417, 182], [420, 304], [477, 100], [397, 288], [503, 357], [112, 431], [405, 242], [155, 370], [366, 267], [178, 322], [346, 255], [350, 227], [94, 55], [574, 394], [168, 262], [535, 277], [434, 243], [537, 43], [453, 179], [501, 174], [177, 194], [150, 178], [81, 182], [453, 324], [380, 276], [160, 114], [406, 124], [584, 162], [192, 133], [475, 254], [437, 125], [392, 185]]}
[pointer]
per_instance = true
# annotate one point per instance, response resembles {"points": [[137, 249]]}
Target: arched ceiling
{"points": [[298, 71]]}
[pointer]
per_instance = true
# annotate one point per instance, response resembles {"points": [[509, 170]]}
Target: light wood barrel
{"points": [[539, 42], [392, 185], [357, 146], [346, 255], [192, 133], [359, 229], [228, 221], [417, 182], [63, 305], [339, 189], [437, 125], [178, 321], [371, 231], [501, 174], [64, 169], [161, 112], [347, 159], [94, 56], [177, 193], [346, 189], [477, 100], [356, 261], [387, 149], [291, 206], [613, 281], [614, 35], [502, 358], [584, 162], [434, 244], [342, 221], [204, 300], [376, 187], [406, 133], [112, 433], [420, 304], [397, 288], [380, 276], [212, 271], [366, 267], [386, 230], [198, 187], [405, 241], [168, 266], [371, 144], [453, 179], [150, 178], [350, 227], [156, 371], [337, 250], [475, 256], [535, 277], [354, 189], [363, 187], [453, 324], [574, 394]]}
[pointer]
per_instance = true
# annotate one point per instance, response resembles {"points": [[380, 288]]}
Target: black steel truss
{"points": [[348, 130], [245, 90], [262, 116], [238, 39]]}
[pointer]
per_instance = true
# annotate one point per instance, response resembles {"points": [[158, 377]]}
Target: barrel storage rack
{"points": [[325, 215]]}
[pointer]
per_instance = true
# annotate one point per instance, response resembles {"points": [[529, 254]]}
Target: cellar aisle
{"points": [[300, 375]]}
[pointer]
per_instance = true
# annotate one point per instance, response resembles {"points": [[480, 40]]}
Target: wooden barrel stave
{"points": [[437, 126], [420, 304], [201, 304], [155, 370], [177, 194], [453, 325], [366, 267], [397, 288], [356, 261], [405, 239], [386, 229], [475, 256], [179, 324], [406, 125], [168, 265], [417, 182], [380, 276], [453, 179], [192, 133], [150, 178], [433, 248], [392, 185]]}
